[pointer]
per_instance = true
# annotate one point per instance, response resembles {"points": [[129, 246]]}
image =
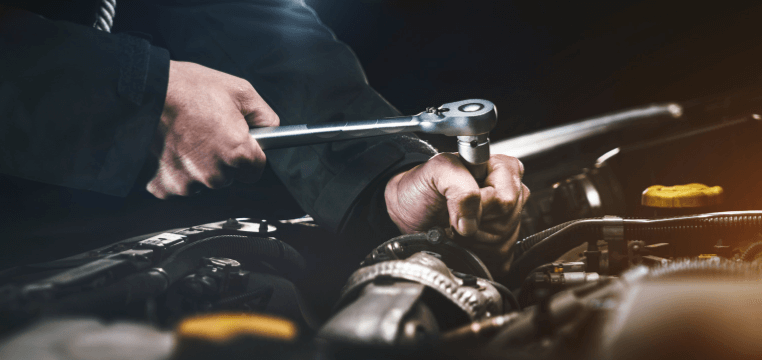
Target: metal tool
{"points": [[469, 120]]}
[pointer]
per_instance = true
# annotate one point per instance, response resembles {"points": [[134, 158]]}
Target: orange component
{"points": [[222, 327], [681, 196]]}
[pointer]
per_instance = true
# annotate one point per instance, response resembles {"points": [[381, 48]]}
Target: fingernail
{"points": [[467, 226]]}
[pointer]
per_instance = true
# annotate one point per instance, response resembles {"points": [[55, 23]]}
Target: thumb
{"points": [[453, 180], [255, 110]]}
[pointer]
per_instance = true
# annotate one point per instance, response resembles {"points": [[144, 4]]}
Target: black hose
{"points": [[551, 248], [508, 297], [528, 242], [538, 250], [527, 289], [456, 256], [711, 223], [180, 264]]}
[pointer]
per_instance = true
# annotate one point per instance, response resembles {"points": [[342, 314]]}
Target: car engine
{"points": [[641, 239]]}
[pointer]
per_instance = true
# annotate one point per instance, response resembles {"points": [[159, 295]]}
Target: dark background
{"points": [[545, 63]]}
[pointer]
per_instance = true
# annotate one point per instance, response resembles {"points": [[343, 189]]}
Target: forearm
{"points": [[79, 106]]}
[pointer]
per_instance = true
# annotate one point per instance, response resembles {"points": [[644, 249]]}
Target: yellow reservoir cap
{"points": [[221, 327], [681, 196]]}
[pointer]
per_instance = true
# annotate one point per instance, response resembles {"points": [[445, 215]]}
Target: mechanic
{"points": [[173, 88]]}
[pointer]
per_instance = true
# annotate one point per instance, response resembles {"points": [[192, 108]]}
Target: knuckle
{"points": [[274, 119], [526, 192], [444, 163], [520, 167], [153, 188], [509, 160], [237, 155], [240, 139], [443, 158], [506, 202], [244, 92], [469, 197], [502, 157], [182, 189], [245, 89]]}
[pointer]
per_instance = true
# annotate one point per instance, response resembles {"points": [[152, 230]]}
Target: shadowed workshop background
{"points": [[548, 62]]}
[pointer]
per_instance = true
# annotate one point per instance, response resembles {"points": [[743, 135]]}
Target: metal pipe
{"points": [[546, 140]]}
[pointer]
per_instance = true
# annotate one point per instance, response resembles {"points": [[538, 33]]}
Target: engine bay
{"points": [[603, 269]]}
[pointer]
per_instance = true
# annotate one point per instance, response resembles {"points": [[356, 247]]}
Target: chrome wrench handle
{"points": [[469, 120]]}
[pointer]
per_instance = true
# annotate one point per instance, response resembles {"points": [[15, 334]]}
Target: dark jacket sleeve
{"points": [[78, 107], [307, 76]]}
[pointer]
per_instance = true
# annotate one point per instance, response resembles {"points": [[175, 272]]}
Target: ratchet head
{"points": [[470, 121], [460, 118]]}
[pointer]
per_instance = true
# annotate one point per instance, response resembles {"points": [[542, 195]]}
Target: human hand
{"points": [[203, 135], [441, 192]]}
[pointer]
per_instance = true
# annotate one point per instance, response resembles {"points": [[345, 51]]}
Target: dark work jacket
{"points": [[79, 107]]}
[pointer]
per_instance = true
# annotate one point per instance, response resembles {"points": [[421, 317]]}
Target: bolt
{"points": [[435, 236], [232, 224], [263, 227]]}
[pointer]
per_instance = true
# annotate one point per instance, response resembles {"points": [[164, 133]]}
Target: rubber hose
{"points": [[419, 241], [578, 232], [716, 223], [552, 247], [177, 266], [528, 242], [509, 299]]}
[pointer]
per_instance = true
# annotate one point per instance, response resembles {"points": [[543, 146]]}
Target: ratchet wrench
{"points": [[469, 120]]}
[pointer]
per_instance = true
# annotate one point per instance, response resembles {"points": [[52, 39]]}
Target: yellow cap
{"points": [[222, 327], [681, 196]]}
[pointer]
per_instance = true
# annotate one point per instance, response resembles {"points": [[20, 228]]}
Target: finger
{"points": [[501, 226], [254, 109], [163, 186], [154, 187], [171, 179], [248, 160], [493, 207], [452, 179], [504, 176], [498, 226], [210, 173]]}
